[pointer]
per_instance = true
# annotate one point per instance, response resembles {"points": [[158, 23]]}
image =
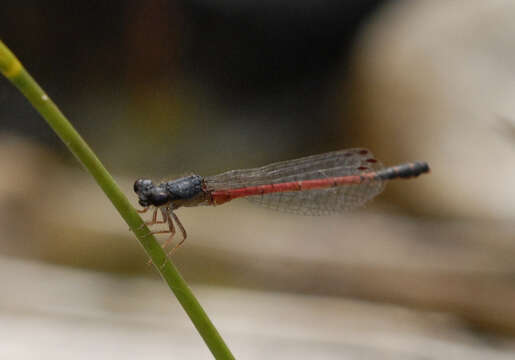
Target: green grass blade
{"points": [[14, 71]]}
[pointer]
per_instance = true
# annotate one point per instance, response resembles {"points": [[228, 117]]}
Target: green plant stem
{"points": [[14, 71]]}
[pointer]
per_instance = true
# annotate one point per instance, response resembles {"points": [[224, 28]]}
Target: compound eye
{"points": [[142, 185], [137, 185]]}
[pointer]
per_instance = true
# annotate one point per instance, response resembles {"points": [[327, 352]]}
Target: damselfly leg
{"points": [[181, 228], [171, 219], [154, 218]]}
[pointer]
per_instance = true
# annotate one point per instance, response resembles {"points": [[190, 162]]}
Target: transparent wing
{"points": [[308, 202]]}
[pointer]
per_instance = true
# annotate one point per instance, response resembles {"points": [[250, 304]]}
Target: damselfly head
{"points": [[149, 194]]}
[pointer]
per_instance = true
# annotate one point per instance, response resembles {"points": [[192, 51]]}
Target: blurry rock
{"points": [[431, 78], [27, 170]]}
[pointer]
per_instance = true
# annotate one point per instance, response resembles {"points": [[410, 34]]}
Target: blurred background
{"points": [[161, 89]]}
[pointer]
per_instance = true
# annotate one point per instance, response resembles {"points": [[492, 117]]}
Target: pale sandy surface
{"points": [[52, 312]]}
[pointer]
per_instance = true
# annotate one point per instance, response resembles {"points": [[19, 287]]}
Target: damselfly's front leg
{"points": [[154, 219], [142, 211]]}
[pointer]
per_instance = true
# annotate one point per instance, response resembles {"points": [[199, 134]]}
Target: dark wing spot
{"points": [[371, 160], [348, 154], [363, 168], [363, 152]]}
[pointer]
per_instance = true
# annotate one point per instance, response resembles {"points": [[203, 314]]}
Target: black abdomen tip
{"points": [[403, 171]]}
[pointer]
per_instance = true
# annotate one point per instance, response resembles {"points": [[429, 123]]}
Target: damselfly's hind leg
{"points": [[171, 228], [170, 218], [181, 228], [165, 212], [154, 219]]}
